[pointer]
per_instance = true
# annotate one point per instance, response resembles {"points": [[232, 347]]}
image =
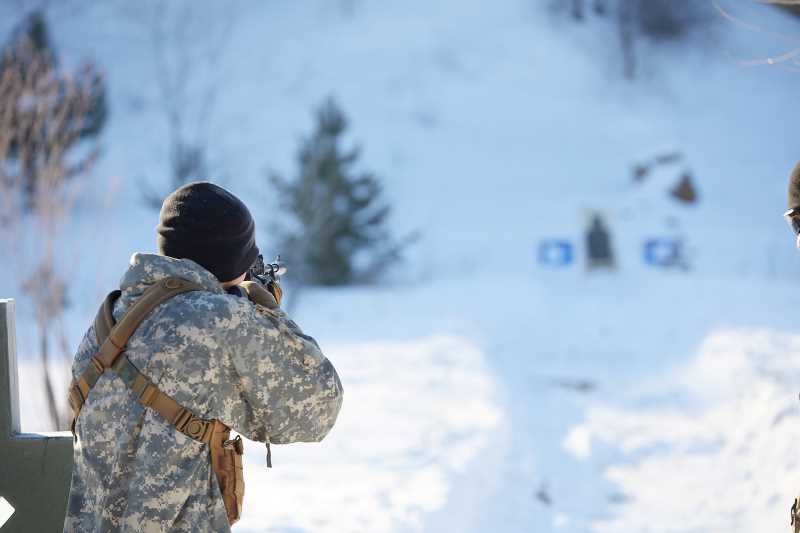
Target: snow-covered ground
{"points": [[484, 392], [522, 406], [718, 452], [419, 412]]}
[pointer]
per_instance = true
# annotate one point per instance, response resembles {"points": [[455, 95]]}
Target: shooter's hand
{"points": [[261, 295]]}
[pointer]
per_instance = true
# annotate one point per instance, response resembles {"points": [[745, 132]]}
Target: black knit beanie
{"points": [[207, 224], [794, 187]]}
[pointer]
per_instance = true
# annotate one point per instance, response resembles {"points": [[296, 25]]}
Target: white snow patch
{"points": [[415, 414], [724, 460], [34, 410], [560, 520], [579, 442]]}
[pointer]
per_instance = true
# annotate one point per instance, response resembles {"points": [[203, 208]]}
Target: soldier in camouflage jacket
{"points": [[221, 356]]}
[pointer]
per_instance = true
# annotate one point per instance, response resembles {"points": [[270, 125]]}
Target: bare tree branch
{"points": [[43, 114], [186, 47], [792, 56]]}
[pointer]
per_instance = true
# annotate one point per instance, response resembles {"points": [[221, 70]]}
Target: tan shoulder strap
{"points": [[149, 395], [112, 338], [144, 305]]}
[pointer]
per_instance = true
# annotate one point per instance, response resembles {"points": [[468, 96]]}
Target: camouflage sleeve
{"points": [[86, 351], [293, 391]]}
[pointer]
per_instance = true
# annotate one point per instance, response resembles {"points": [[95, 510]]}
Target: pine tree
{"points": [[337, 233]]}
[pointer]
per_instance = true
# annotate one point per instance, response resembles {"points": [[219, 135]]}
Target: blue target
{"points": [[663, 252], [556, 253]]}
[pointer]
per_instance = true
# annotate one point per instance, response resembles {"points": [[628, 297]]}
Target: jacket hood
{"points": [[147, 269]]}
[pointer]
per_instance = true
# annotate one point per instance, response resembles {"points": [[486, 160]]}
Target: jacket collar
{"points": [[147, 269]]}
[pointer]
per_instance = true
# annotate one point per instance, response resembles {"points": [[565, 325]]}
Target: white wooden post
{"points": [[35, 468]]}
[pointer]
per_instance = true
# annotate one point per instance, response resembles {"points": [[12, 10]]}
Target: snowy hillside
{"points": [[485, 392]]}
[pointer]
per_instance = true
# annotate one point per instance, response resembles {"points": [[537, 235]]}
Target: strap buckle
{"points": [[191, 426]]}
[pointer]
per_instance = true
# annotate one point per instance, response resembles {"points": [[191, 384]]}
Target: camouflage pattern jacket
{"points": [[220, 356]]}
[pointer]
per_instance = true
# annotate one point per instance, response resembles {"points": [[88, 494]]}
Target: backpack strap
{"points": [[226, 454], [113, 338], [79, 389], [149, 395]]}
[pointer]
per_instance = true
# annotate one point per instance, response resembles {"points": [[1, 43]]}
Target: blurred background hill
{"points": [[496, 379]]}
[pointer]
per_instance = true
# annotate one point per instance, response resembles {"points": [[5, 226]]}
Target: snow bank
{"points": [[718, 453], [415, 414]]}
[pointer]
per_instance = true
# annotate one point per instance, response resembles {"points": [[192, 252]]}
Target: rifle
{"points": [[265, 273]]}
